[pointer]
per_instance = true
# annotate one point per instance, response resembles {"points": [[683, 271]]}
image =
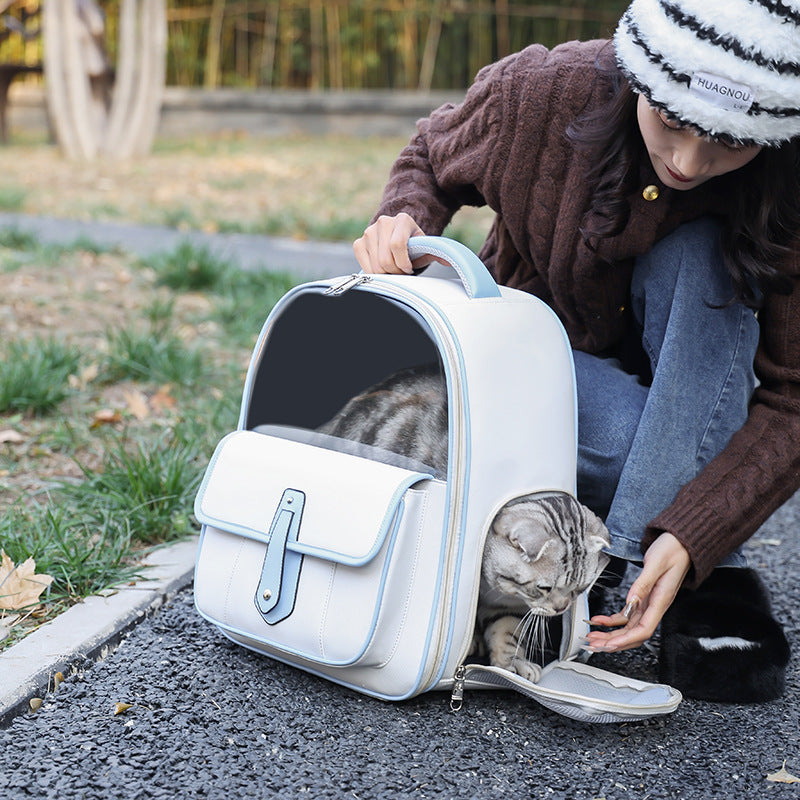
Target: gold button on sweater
{"points": [[506, 146]]}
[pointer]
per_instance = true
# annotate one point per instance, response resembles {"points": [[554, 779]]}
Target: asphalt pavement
{"points": [[204, 718]]}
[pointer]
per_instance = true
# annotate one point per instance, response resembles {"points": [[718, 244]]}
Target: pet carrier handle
{"points": [[471, 270]]}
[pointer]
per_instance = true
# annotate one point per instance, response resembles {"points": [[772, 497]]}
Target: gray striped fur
{"points": [[541, 551]]}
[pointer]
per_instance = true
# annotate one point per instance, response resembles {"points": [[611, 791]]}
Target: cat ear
{"points": [[597, 535], [530, 539], [523, 531]]}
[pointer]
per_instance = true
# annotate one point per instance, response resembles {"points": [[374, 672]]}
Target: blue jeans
{"points": [[638, 444]]}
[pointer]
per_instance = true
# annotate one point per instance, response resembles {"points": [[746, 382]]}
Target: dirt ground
{"points": [[211, 184], [225, 182], [206, 183], [78, 298]]}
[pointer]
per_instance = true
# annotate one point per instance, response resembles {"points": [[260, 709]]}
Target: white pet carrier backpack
{"points": [[367, 573]]}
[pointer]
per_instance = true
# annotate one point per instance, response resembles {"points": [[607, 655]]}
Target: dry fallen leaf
{"points": [[20, 586], [163, 400], [137, 403], [782, 776], [106, 416], [85, 377], [121, 708], [11, 437], [35, 703]]}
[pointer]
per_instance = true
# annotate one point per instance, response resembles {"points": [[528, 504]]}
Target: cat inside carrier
{"points": [[404, 470]]}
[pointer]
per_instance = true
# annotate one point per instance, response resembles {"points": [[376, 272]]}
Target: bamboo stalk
{"points": [[334, 47], [316, 44], [409, 44], [431, 46], [214, 44], [270, 41], [503, 30], [242, 44]]}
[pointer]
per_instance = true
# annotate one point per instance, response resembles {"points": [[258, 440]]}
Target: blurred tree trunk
{"points": [[93, 113]]}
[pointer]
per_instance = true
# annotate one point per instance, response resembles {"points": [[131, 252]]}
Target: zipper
{"points": [[350, 282], [414, 300], [457, 694], [456, 486], [488, 677]]}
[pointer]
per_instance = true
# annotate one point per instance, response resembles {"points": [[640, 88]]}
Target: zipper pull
{"points": [[457, 695], [347, 284]]}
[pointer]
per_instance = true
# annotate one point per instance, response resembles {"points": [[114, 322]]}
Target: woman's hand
{"points": [[666, 564], [384, 245]]}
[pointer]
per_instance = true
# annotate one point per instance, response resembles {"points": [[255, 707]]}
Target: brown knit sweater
{"points": [[505, 146]]}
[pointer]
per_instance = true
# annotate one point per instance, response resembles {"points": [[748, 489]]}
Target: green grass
{"points": [[179, 217], [241, 298], [244, 298], [155, 354], [13, 238], [146, 487], [82, 558], [190, 268], [34, 375], [12, 198], [333, 226], [133, 480]]}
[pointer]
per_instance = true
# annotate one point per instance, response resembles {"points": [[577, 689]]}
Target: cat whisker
{"points": [[533, 630]]}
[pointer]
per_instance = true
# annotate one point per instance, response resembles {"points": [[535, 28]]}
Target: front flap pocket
{"points": [[299, 535]]}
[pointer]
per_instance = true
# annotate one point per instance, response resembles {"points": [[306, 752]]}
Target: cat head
{"points": [[543, 553]]}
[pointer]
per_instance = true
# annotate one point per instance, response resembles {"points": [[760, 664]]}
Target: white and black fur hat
{"points": [[728, 68]]}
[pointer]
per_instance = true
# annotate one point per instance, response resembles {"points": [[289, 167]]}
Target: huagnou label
{"points": [[722, 92]]}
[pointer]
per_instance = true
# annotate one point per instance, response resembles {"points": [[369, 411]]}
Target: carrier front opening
{"points": [[321, 350]]}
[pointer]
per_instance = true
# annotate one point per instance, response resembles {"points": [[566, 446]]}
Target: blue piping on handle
{"points": [[477, 281]]}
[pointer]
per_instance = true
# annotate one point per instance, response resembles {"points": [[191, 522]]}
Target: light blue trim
{"points": [[356, 687], [442, 316], [373, 624], [467, 470], [422, 312], [477, 281], [255, 357], [277, 589], [346, 559]]}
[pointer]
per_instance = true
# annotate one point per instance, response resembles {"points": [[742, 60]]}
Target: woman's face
{"points": [[681, 158]]}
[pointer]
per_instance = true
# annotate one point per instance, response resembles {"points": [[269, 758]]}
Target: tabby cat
{"points": [[541, 552]]}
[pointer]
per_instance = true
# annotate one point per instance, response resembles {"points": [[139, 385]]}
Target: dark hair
{"points": [[764, 220]]}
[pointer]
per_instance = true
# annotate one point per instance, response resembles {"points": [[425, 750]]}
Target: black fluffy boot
{"points": [[721, 642]]}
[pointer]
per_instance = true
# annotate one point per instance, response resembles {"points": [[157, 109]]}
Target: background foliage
{"points": [[387, 44]]}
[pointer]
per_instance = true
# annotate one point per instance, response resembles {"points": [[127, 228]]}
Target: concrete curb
{"points": [[90, 630], [95, 627], [263, 112]]}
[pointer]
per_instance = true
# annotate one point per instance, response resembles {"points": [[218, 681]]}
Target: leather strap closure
{"points": [[277, 588]]}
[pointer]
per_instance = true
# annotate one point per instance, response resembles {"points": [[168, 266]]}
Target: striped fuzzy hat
{"points": [[728, 68]]}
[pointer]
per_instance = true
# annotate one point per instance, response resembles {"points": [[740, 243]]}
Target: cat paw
{"points": [[504, 652], [526, 669]]}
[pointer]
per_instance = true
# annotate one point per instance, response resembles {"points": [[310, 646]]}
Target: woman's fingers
{"points": [[666, 564], [384, 246]]}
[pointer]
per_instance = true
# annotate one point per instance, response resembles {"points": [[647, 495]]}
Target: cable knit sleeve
{"points": [[759, 470], [458, 155]]}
